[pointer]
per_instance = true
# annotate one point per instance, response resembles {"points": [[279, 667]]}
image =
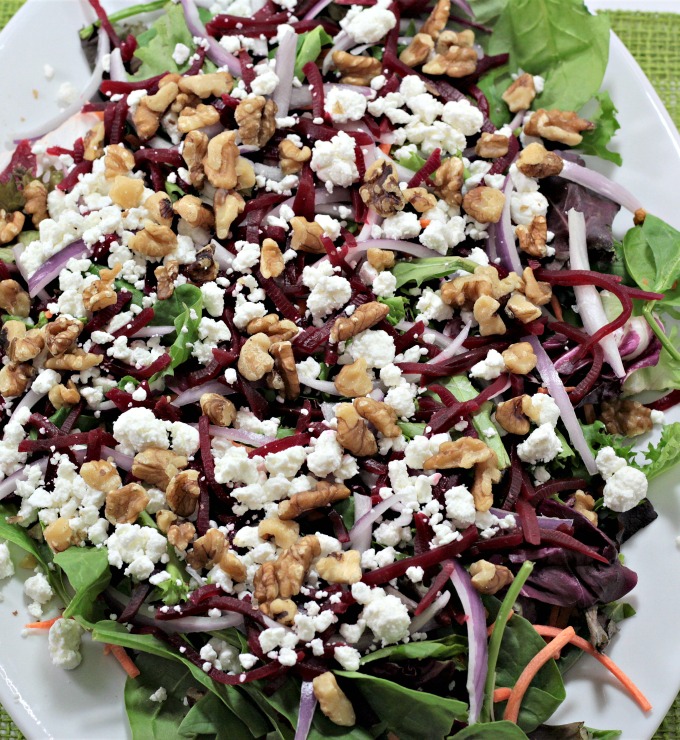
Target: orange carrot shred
{"points": [[489, 629], [385, 148], [607, 662], [501, 694], [531, 669], [107, 648], [125, 660], [42, 625]]}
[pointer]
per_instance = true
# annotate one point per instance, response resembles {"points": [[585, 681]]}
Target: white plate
{"points": [[88, 703]]}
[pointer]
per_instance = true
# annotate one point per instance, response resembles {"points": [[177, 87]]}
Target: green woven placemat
{"points": [[652, 40]]}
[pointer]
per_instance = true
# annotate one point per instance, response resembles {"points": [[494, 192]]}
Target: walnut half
{"points": [[380, 190], [299, 503]]}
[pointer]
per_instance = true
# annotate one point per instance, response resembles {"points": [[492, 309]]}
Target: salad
{"points": [[321, 366]]}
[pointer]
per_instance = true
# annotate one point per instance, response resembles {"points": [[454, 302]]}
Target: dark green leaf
{"points": [[166, 311], [186, 324], [428, 268], [560, 40], [397, 306], [444, 649], [88, 572], [595, 142], [502, 730], [493, 85], [403, 711], [663, 455], [309, 47], [652, 254], [665, 375], [210, 717]]}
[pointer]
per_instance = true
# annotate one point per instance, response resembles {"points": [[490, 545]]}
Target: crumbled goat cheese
{"points": [[369, 25], [63, 642], [375, 346], [348, 657], [181, 53], [334, 161], [625, 489], [6, 565], [545, 409], [326, 454], [490, 367], [608, 462], [37, 587], [345, 105], [460, 506], [387, 617], [541, 446], [138, 547]]}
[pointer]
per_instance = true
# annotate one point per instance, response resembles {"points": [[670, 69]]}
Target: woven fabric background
{"points": [[652, 40]]}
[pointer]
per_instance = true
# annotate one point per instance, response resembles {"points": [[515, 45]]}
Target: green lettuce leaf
{"points": [[186, 309], [412, 162], [428, 268], [501, 730], [210, 717], [559, 40], [493, 85], [595, 142], [397, 306], [167, 311], [88, 572], [486, 11], [445, 648], [411, 429], [663, 455], [157, 44], [597, 437], [309, 47]]}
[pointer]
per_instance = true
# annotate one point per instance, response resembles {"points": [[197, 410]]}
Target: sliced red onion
{"points": [[600, 184], [324, 386], [106, 406], [328, 411], [123, 461], [321, 196], [477, 638], [364, 525], [421, 622], [9, 485], [517, 120], [636, 338], [301, 97], [87, 93], [316, 9], [194, 394], [215, 52], [395, 245], [588, 299], [27, 401], [553, 383], [152, 331], [408, 603], [307, 700], [362, 505], [199, 624], [285, 70], [223, 258], [491, 251], [454, 345], [505, 236], [342, 42], [266, 170], [49, 271], [240, 435], [117, 70]]}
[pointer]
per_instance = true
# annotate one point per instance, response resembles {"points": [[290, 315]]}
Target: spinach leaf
{"points": [[403, 711], [560, 40], [87, 570], [443, 649], [572, 731], [493, 85], [157, 44], [428, 268], [463, 390], [652, 254], [186, 325], [19, 536], [157, 720], [663, 455], [309, 47], [487, 11], [501, 730], [595, 141], [166, 311], [397, 306], [210, 717]]}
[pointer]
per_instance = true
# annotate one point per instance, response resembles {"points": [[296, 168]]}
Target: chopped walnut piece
{"points": [[157, 467], [35, 197], [492, 146], [192, 210], [364, 317], [245, 174], [219, 162], [381, 415], [93, 142], [486, 474], [299, 503], [584, 503], [557, 125], [447, 39], [21, 345], [11, 225], [438, 18], [538, 293], [117, 161], [354, 380], [192, 119], [278, 330], [284, 533], [484, 204], [220, 410], [181, 535], [101, 293], [159, 207], [417, 52], [465, 452], [488, 578], [232, 565], [519, 358], [166, 275], [355, 69], [14, 379], [153, 240], [306, 235], [147, 116], [59, 535], [353, 434], [536, 161], [183, 492], [204, 268], [292, 157], [485, 311], [380, 259], [76, 360], [271, 259], [62, 395], [520, 308], [456, 62], [341, 567], [208, 550], [332, 700], [14, 299], [533, 238], [101, 475], [283, 611], [228, 205], [61, 334], [521, 93], [420, 199], [209, 85], [284, 362], [126, 192], [126, 504], [256, 119], [625, 417], [254, 360], [194, 150], [380, 190], [510, 415], [448, 180], [165, 519], [283, 578]]}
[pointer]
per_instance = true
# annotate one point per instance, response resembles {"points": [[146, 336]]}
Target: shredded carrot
{"points": [[608, 663], [424, 222], [489, 630], [501, 694], [107, 648], [385, 148], [125, 660], [532, 668], [42, 625]]}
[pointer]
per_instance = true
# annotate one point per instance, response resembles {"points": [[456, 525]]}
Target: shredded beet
{"points": [[515, 484], [560, 539], [203, 510], [294, 440], [22, 159], [143, 318], [141, 591], [666, 402], [313, 75], [71, 180], [197, 64], [304, 203], [257, 403], [72, 418], [529, 521], [155, 367], [114, 121], [64, 442], [171, 157], [318, 132], [44, 425], [106, 23], [438, 584], [278, 298], [101, 318]]}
